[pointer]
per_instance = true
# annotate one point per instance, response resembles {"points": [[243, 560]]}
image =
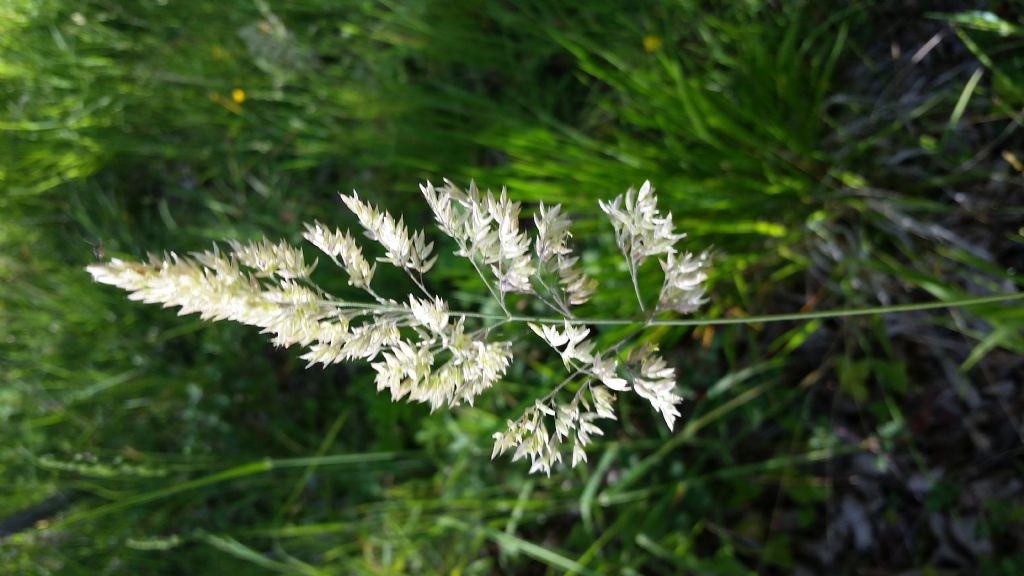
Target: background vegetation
{"points": [[837, 154]]}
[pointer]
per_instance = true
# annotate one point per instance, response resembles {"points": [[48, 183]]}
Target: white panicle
{"points": [[486, 230], [478, 239], [684, 288], [269, 259], [450, 220], [402, 250], [512, 265], [482, 364], [641, 230], [578, 287], [403, 371], [338, 244], [430, 313], [577, 349], [552, 233], [573, 426], [607, 372], [421, 351], [552, 248], [656, 383], [216, 286]]}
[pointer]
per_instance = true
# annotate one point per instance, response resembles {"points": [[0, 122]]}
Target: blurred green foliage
{"points": [[828, 171]]}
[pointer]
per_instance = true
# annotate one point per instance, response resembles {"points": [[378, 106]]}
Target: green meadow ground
{"points": [[836, 154]]}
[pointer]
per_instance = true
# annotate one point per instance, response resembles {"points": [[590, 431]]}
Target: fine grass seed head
{"points": [[420, 349]]}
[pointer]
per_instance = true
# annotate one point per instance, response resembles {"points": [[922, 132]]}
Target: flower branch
{"points": [[421, 350]]}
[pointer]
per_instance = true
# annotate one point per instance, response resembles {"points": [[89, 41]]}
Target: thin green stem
{"points": [[765, 318]]}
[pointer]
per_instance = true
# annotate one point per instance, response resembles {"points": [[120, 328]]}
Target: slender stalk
{"points": [[418, 281], [559, 305], [760, 319], [380, 300], [554, 391], [552, 305], [500, 300], [636, 286]]}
